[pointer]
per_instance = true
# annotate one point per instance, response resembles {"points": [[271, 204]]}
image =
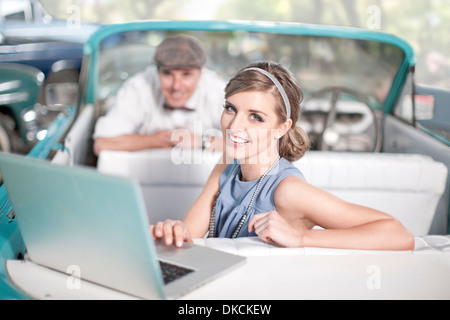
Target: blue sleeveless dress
{"points": [[235, 196]]}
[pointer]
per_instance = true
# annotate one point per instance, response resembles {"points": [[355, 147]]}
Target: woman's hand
{"points": [[271, 227], [173, 232]]}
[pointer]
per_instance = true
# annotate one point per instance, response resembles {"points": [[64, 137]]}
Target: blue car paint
{"points": [[43, 55], [42, 45], [11, 243]]}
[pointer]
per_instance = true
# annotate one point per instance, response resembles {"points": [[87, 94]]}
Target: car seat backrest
{"points": [[405, 186]]}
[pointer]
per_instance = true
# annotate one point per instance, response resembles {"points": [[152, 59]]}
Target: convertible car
{"points": [[378, 138]]}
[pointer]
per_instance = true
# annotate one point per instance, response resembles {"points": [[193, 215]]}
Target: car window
{"points": [[424, 114], [404, 107]]}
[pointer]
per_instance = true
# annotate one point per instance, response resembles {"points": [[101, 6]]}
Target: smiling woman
{"points": [[285, 94], [261, 193]]}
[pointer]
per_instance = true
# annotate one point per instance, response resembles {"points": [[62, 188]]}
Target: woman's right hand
{"points": [[173, 232]]}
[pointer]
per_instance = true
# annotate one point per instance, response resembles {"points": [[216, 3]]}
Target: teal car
{"points": [[361, 97]]}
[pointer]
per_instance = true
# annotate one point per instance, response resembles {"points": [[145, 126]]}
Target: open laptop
{"points": [[78, 217]]}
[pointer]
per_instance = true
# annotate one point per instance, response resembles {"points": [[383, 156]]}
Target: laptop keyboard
{"points": [[172, 272]]}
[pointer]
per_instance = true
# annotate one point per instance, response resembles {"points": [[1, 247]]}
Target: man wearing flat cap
{"points": [[178, 92]]}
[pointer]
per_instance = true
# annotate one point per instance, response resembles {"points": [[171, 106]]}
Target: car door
{"points": [[422, 126]]}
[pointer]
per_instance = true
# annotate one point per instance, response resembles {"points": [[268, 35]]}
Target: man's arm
{"points": [[163, 139], [134, 142]]}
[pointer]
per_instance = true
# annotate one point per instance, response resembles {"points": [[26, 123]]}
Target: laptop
{"points": [[74, 216]]}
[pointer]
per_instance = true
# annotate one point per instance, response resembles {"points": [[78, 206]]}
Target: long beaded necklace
{"points": [[212, 222]]}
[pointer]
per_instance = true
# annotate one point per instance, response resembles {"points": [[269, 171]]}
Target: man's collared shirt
{"points": [[139, 107]]}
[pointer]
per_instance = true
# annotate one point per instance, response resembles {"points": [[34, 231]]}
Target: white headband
{"points": [[278, 85]]}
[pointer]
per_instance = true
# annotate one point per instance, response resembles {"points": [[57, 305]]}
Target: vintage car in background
{"points": [[378, 139], [28, 35], [32, 40]]}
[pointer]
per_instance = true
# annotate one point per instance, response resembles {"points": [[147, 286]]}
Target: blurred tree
{"points": [[104, 11], [352, 12], [144, 9], [423, 23]]}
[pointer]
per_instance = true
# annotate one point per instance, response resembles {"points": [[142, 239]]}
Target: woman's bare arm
{"points": [[196, 222], [346, 225]]}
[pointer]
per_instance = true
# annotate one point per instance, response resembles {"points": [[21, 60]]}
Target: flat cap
{"points": [[180, 52]]}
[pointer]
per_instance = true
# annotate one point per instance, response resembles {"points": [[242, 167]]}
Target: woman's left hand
{"points": [[271, 227]]}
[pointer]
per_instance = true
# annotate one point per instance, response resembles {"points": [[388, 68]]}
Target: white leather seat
{"points": [[406, 186], [170, 185]]}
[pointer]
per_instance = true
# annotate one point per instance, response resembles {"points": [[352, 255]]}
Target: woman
{"points": [[257, 191]]}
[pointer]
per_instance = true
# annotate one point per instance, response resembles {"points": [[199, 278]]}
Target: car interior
{"points": [[342, 112]]}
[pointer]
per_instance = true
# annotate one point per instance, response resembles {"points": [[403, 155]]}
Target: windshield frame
{"points": [[92, 47]]}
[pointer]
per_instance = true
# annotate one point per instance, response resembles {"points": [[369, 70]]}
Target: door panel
{"points": [[434, 105], [401, 137]]}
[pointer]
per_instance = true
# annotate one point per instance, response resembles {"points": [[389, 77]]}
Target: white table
{"points": [[273, 273]]}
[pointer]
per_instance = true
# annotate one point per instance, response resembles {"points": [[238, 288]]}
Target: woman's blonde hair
{"points": [[295, 143]]}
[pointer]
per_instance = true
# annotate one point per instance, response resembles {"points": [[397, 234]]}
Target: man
{"points": [[177, 93]]}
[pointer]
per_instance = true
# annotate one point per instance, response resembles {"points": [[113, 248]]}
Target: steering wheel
{"points": [[329, 137]]}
